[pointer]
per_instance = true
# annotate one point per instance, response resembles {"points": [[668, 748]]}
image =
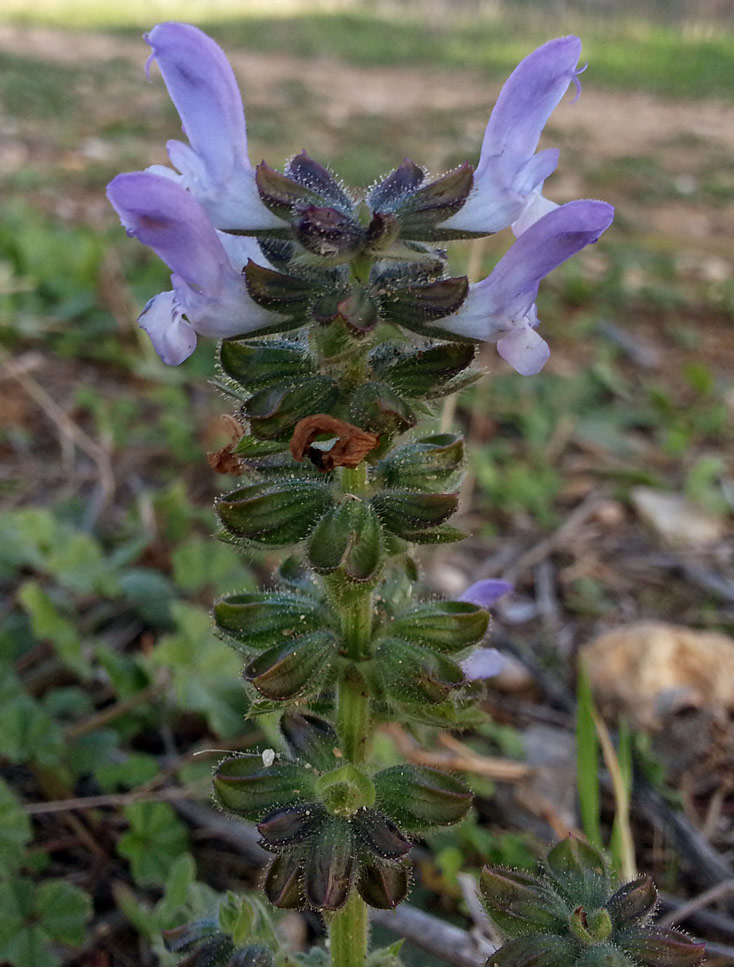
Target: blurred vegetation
{"points": [[111, 678]]}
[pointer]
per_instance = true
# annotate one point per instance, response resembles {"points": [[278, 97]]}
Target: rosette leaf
{"points": [[274, 513], [418, 798]]}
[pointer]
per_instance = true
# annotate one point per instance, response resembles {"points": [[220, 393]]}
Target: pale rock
{"points": [[674, 518], [648, 671]]}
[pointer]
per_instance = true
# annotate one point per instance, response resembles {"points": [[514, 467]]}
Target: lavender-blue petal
{"points": [[204, 89], [482, 663], [215, 165], [162, 214], [172, 336], [485, 593], [512, 286], [527, 100], [509, 174]]}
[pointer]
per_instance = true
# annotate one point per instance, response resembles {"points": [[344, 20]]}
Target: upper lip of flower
{"points": [[510, 175]]}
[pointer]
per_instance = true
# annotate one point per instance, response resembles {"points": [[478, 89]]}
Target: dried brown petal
{"points": [[350, 449]]}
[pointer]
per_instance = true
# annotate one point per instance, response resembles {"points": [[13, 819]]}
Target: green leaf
{"points": [[587, 760], [63, 909], [200, 563], [205, 671], [156, 838], [48, 625], [35, 917], [15, 830], [27, 731]]}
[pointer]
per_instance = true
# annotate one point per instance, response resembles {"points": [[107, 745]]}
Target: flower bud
{"points": [[660, 947], [245, 786], [262, 619], [633, 902], [383, 885], [417, 797], [359, 310], [520, 903], [327, 233], [346, 790], [258, 365], [590, 927], [274, 514], [311, 739], [285, 671], [380, 836], [330, 866], [447, 626], [284, 881], [275, 410], [537, 950]]}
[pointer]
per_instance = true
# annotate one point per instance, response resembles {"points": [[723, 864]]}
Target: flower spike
{"points": [[209, 294], [214, 166], [501, 308], [509, 178]]}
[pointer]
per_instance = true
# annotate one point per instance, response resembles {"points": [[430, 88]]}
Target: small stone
{"points": [[635, 670], [675, 519]]}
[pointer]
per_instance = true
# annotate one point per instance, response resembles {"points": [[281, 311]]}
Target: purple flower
{"points": [[209, 294], [508, 180], [214, 165], [501, 308], [484, 662]]}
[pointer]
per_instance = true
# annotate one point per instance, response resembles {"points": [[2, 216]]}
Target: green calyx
{"points": [[572, 916], [346, 790]]}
